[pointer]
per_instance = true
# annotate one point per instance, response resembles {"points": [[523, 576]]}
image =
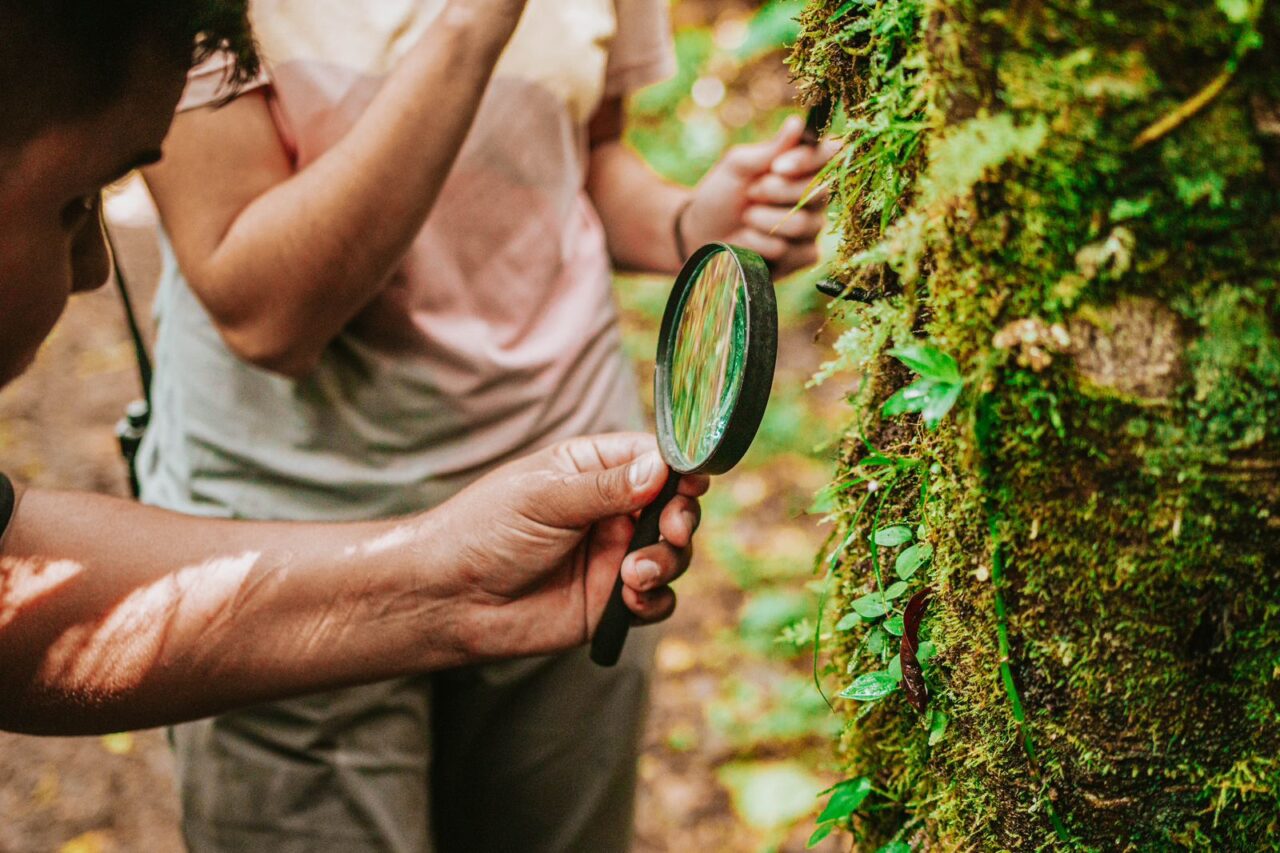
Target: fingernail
{"points": [[644, 469], [691, 519], [647, 573]]}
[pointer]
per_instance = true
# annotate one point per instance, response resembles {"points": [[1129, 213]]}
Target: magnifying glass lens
{"points": [[709, 358]]}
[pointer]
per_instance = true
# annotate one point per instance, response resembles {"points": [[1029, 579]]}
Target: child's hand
{"points": [[749, 199]]}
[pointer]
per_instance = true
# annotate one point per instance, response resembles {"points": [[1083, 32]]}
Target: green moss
{"points": [[1123, 486]]}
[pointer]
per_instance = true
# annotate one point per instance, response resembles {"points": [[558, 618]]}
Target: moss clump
{"points": [[1110, 481]]}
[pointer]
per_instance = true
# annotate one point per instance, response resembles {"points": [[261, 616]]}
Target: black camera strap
{"points": [[133, 426]]}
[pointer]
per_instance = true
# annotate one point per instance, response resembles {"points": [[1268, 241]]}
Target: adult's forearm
{"points": [[117, 616], [307, 255], [638, 209]]}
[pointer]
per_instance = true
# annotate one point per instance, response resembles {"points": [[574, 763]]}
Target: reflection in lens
{"points": [[707, 362]]}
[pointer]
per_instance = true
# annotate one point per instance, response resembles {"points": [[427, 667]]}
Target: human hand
{"points": [[538, 543], [749, 199]]}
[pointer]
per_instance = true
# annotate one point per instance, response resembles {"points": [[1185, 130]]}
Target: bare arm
{"points": [[637, 206], [284, 260], [116, 616], [746, 199]]}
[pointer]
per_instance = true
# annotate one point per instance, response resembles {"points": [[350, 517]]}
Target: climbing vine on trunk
{"points": [[1054, 618]]}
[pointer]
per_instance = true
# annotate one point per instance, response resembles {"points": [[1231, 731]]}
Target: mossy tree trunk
{"points": [[1080, 203]]}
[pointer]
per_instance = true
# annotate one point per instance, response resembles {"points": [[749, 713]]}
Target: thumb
{"points": [[756, 159], [583, 499]]}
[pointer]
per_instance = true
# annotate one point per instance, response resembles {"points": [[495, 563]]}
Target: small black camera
{"points": [[130, 431]]}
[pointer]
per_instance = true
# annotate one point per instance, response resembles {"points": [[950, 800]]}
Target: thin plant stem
{"points": [[1188, 108], [884, 489], [1197, 102], [1006, 670], [1004, 648]]}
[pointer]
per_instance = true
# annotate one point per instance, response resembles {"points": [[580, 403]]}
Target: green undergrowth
{"points": [[1065, 423]]}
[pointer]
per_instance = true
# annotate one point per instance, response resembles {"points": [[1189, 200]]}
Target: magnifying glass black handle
{"points": [[611, 634]]}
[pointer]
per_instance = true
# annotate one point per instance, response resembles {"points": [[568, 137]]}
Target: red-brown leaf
{"points": [[912, 673]]}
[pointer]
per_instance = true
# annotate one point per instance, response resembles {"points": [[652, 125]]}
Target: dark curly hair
{"points": [[62, 59]]}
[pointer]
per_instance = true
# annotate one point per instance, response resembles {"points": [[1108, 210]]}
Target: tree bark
{"points": [[1079, 202]]}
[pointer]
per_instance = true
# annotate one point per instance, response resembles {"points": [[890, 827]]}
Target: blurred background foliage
{"points": [[730, 86]]}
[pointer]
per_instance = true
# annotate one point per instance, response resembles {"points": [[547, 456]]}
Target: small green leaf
{"points": [[940, 400], [898, 404], [819, 834], [911, 559], [894, 626], [871, 606], [871, 687], [895, 847], [895, 590], [917, 392], [930, 362], [1208, 187], [876, 460], [922, 531], [891, 537], [931, 397], [937, 726], [849, 620], [909, 399], [1125, 209], [895, 667], [845, 799], [876, 641]]}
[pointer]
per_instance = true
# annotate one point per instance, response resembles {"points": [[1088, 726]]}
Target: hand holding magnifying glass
{"points": [[716, 353]]}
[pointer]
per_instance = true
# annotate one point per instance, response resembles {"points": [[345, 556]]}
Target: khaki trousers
{"points": [[537, 756]]}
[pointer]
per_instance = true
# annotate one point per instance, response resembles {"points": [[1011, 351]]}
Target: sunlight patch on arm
{"points": [[114, 653], [25, 581], [397, 537]]}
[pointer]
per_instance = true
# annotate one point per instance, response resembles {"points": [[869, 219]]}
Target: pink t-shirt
{"points": [[497, 334]]}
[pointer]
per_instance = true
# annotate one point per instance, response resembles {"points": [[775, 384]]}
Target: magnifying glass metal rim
{"points": [[747, 410]]}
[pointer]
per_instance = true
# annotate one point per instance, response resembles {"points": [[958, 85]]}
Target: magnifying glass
{"points": [[716, 353]]}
